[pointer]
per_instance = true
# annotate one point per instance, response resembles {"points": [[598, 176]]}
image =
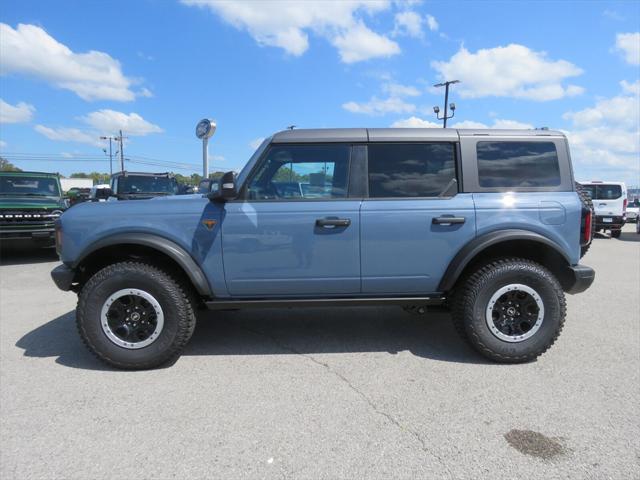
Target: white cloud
{"points": [[605, 138], [3, 144], [102, 122], [628, 87], [415, 122], [92, 75], [64, 134], [408, 23], [22, 112], [432, 23], [378, 106], [287, 24], [360, 43], [398, 90], [394, 103], [621, 111], [511, 71], [256, 142], [629, 45], [499, 124], [108, 121]]}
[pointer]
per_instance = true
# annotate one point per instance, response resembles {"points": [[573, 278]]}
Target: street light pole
{"points": [[446, 102], [110, 153]]}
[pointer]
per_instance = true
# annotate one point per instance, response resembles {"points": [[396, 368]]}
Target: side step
{"points": [[436, 299]]}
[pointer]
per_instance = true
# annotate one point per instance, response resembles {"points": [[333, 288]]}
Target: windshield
{"points": [[604, 191], [147, 184], [16, 185]]}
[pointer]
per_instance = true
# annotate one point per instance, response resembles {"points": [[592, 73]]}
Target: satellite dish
{"points": [[205, 128]]}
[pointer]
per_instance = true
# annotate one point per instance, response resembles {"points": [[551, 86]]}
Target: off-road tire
{"points": [[470, 301], [175, 300], [616, 233], [586, 201]]}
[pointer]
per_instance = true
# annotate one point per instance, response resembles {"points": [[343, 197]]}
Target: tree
{"points": [[98, 178], [7, 166]]}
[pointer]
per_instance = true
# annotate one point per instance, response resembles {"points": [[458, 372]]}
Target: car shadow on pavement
{"points": [[329, 330], [629, 237], [21, 255], [284, 331]]}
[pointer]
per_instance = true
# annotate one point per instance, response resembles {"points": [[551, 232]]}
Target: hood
{"points": [[189, 196], [16, 202]]}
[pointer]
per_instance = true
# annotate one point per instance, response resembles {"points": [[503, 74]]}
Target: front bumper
{"points": [[38, 235], [616, 222], [63, 276], [580, 278]]}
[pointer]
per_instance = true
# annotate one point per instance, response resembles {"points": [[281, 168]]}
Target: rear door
{"points": [[414, 220], [608, 199], [296, 232]]}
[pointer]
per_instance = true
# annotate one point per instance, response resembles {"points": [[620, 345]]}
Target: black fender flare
{"points": [[157, 242], [467, 253]]}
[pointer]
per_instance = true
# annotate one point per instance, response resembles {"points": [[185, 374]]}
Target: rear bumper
{"points": [[581, 278], [63, 276], [616, 222]]}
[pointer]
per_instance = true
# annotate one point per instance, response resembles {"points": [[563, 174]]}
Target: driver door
{"points": [[295, 232]]}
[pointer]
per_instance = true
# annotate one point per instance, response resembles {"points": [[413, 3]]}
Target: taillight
{"points": [[587, 227], [624, 205]]}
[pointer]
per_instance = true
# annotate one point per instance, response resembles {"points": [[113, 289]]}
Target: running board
{"points": [[438, 299]]}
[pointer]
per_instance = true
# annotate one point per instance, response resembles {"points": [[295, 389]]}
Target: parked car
{"points": [[77, 195], [633, 210], [100, 193], [487, 223], [610, 204], [143, 185], [30, 202]]}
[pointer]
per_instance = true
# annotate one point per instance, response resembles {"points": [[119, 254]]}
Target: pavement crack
{"points": [[390, 418]]}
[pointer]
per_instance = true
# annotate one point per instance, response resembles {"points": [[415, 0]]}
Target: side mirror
{"points": [[226, 190]]}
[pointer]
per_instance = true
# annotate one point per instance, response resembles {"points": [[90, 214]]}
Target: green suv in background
{"points": [[30, 203]]}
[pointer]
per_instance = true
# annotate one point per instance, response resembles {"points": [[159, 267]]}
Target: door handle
{"points": [[447, 220], [333, 222]]}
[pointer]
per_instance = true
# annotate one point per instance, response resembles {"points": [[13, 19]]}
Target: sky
{"points": [[72, 71]]}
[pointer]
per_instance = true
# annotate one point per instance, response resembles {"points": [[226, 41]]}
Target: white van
{"points": [[609, 203]]}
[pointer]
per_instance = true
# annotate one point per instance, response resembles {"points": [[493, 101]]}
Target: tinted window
{"points": [[604, 192], [147, 184], [29, 186], [299, 172], [518, 164], [411, 170]]}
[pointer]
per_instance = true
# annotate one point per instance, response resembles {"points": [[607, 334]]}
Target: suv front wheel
{"points": [[510, 310], [135, 316]]}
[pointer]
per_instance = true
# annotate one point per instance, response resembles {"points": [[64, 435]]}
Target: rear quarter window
{"points": [[514, 164]]}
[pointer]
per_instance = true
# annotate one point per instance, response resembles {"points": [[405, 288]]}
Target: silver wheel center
{"points": [[131, 318], [514, 313]]}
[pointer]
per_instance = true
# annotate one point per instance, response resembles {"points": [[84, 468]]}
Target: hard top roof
{"points": [[328, 135], [125, 173], [46, 174]]}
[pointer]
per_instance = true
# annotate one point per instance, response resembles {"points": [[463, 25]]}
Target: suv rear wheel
{"points": [[134, 316], [510, 311]]}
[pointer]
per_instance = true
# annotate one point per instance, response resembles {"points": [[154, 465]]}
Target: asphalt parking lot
{"points": [[350, 393]]}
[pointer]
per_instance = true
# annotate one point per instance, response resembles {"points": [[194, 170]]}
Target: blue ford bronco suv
{"points": [[486, 223]]}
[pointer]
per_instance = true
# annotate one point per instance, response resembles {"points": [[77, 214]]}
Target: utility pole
{"points": [[436, 109], [110, 153], [119, 139]]}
